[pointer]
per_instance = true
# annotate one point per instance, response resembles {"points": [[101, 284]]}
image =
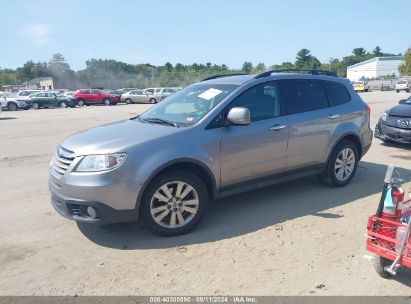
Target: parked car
{"points": [[24, 94], [12, 102], [53, 100], [5, 98], [403, 85], [395, 123], [214, 138], [138, 96], [95, 96], [159, 93], [361, 86]]}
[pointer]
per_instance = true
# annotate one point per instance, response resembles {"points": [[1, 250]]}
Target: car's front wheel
{"points": [[128, 100], [174, 203], [342, 164], [81, 102], [63, 104], [12, 106], [35, 105]]}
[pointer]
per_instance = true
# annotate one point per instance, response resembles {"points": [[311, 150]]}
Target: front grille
{"points": [[62, 159]]}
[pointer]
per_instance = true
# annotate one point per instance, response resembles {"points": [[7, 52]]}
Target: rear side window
{"points": [[85, 92], [95, 91], [305, 95], [337, 93]]}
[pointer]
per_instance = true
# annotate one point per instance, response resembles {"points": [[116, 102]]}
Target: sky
{"points": [[188, 31]]}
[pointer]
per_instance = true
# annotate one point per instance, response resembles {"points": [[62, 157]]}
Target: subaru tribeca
{"points": [[221, 136]]}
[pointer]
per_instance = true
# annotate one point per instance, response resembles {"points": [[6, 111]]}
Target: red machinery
{"points": [[388, 234]]}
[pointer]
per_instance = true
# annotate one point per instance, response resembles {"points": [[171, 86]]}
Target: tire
{"points": [[107, 101], [63, 104], [81, 102], [35, 105], [408, 90], [153, 100], [379, 265], [397, 91], [342, 153], [169, 209], [128, 100], [12, 106]]}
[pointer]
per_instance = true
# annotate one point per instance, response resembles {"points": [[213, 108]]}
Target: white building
{"points": [[375, 67]]}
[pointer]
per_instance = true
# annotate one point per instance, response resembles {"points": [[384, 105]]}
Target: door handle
{"points": [[334, 116], [277, 127]]}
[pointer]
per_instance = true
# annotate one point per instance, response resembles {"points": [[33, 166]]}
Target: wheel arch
{"points": [[351, 136], [183, 164]]}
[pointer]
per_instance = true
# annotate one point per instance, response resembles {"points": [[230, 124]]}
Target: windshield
{"points": [[189, 105], [407, 101]]}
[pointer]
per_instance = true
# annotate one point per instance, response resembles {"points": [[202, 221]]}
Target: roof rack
{"points": [[223, 75], [312, 72]]}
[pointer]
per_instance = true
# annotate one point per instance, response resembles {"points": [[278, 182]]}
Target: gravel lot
{"points": [[287, 239]]}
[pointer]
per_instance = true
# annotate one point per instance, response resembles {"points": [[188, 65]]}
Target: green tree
{"points": [[359, 52], [306, 61], [377, 52], [405, 67], [247, 67]]}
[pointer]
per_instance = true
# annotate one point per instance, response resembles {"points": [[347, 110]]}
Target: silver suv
{"points": [[218, 137]]}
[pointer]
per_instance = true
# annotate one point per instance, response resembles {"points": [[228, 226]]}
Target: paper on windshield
{"points": [[210, 93]]}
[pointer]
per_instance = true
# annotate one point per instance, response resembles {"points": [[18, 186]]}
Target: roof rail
{"points": [[312, 72], [223, 75]]}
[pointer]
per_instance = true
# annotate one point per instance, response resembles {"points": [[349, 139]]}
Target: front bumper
{"points": [[111, 194], [388, 133], [77, 210]]}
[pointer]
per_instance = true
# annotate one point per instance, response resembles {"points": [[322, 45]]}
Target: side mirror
{"points": [[239, 116], [402, 101]]}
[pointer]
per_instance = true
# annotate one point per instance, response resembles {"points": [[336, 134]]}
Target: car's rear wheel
{"points": [[128, 100], [342, 164], [35, 105], [174, 203], [107, 101], [63, 104], [153, 100], [81, 102], [12, 106]]}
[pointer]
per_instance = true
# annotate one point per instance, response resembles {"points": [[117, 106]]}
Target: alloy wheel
{"points": [[344, 164], [174, 204]]}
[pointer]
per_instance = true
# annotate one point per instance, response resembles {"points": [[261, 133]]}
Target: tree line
{"points": [[109, 73]]}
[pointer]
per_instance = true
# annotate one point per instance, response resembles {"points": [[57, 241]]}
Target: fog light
{"points": [[92, 212]]}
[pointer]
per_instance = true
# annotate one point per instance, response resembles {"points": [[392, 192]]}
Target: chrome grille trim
{"points": [[62, 160]]}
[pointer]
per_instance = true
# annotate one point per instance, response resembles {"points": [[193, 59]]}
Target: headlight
{"points": [[384, 116], [102, 162]]}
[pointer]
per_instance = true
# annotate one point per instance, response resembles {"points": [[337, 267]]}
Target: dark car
{"points": [[95, 96], [395, 123], [51, 100]]}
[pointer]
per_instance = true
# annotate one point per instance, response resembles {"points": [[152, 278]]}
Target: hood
{"points": [[115, 137], [403, 110]]}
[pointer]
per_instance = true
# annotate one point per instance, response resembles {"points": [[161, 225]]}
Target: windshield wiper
{"points": [[161, 121]]}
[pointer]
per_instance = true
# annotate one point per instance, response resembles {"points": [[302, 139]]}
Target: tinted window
{"points": [[263, 101], [85, 92], [95, 91], [337, 93], [305, 95]]}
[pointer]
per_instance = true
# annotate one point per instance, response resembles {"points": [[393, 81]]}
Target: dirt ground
{"points": [[287, 239]]}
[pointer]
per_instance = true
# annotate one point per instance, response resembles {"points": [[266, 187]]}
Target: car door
{"points": [[95, 96], [138, 96], [40, 98], [311, 123], [259, 149]]}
